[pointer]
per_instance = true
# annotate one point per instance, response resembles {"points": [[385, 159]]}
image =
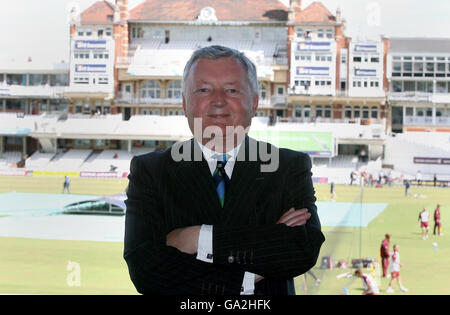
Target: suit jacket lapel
{"points": [[193, 180], [245, 185]]}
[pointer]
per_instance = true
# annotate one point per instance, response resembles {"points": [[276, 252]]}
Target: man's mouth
{"points": [[218, 116]]}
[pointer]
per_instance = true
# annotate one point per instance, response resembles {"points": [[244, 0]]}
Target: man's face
{"points": [[218, 92]]}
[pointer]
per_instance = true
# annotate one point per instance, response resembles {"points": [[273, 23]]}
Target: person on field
{"points": [[332, 192], [437, 220], [424, 217], [394, 267], [370, 285], [384, 254], [407, 186], [66, 185]]}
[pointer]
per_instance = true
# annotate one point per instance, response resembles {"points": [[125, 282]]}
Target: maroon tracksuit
{"points": [[437, 221], [384, 253]]}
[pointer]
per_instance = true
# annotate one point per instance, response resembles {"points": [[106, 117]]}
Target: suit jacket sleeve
{"points": [[155, 267], [276, 250]]}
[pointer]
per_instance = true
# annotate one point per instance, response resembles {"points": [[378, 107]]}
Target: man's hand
{"points": [[184, 239], [295, 217]]}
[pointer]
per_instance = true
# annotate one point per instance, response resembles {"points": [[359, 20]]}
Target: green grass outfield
{"points": [[33, 266]]}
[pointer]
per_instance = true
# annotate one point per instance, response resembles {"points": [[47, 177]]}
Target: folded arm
{"points": [[157, 268], [286, 248]]}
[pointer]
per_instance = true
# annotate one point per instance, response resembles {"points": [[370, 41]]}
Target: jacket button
{"points": [[230, 259]]}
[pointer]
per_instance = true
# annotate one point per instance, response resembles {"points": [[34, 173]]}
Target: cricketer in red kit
{"points": [[384, 253], [437, 220]]}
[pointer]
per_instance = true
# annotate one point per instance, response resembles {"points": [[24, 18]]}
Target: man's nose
{"points": [[219, 98]]}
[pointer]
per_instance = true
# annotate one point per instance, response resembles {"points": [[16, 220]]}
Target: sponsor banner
{"points": [[365, 72], [429, 160], [99, 174], [5, 92], [314, 46], [90, 68], [320, 180], [13, 172], [366, 48], [90, 44], [313, 71], [56, 173], [318, 144], [15, 132]]}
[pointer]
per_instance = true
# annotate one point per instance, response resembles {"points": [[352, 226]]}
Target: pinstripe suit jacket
{"points": [[164, 195]]}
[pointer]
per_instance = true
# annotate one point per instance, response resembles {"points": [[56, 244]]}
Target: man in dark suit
{"points": [[221, 213]]}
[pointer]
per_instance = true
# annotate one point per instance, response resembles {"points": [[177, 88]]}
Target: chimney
{"points": [[296, 4], [338, 15], [121, 12], [291, 15]]}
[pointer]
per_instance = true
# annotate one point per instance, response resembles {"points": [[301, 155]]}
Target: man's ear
{"points": [[255, 104], [184, 103]]}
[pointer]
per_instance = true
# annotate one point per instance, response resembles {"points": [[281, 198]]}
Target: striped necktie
{"points": [[220, 178]]}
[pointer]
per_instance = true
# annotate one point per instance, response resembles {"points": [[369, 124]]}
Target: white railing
{"points": [[274, 100], [410, 96], [89, 88], [33, 90], [133, 99], [428, 121]]}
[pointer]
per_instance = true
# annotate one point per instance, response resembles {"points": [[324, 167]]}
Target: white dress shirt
{"points": [[205, 240]]}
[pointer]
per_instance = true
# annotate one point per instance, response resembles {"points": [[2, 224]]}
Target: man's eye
{"points": [[232, 91], [202, 90]]}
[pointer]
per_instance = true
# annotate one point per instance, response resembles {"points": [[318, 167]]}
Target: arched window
{"points": [[151, 89], [174, 89], [365, 112], [319, 111], [298, 111], [374, 112], [262, 91], [357, 112], [307, 111], [328, 111], [348, 112]]}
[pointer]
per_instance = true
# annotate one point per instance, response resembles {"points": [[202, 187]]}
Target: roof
{"points": [[225, 10], [419, 45], [34, 66], [98, 13], [315, 13]]}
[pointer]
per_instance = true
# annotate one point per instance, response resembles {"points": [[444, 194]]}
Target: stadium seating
{"points": [[156, 127], [108, 160], [69, 161], [10, 158], [85, 124], [38, 160], [401, 150]]}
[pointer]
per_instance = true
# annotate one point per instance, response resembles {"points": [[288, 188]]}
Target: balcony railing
{"points": [[133, 99], [354, 121], [46, 91], [310, 91], [426, 121], [410, 96], [274, 100], [89, 88]]}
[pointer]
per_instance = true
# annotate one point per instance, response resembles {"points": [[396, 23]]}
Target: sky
{"points": [[40, 28]]}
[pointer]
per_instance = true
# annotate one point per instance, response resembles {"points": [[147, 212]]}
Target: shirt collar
{"points": [[211, 155]]}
